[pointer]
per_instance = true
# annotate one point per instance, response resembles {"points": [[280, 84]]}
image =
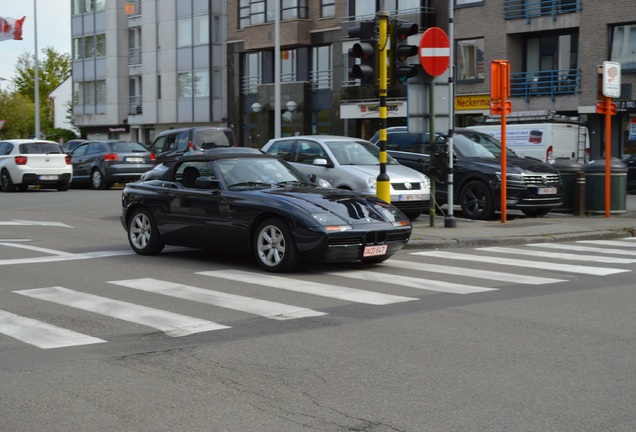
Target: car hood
{"points": [[397, 173], [350, 206], [513, 165]]}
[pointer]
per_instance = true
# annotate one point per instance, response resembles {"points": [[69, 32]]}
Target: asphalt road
{"points": [[527, 338]]}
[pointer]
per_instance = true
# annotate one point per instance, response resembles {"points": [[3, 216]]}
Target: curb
{"points": [[507, 241]]}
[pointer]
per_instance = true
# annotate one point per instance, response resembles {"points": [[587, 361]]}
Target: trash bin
{"points": [[567, 168], [595, 186]]}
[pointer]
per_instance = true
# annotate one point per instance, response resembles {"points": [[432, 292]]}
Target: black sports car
{"points": [[259, 204]]}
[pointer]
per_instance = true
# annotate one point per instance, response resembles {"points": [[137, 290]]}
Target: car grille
{"points": [[402, 186], [541, 178], [370, 238]]}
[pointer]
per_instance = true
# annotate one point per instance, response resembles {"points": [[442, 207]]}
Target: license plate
{"points": [[374, 250], [48, 177], [547, 191], [415, 197], [135, 159]]}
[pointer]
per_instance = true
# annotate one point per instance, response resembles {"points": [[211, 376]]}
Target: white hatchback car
{"points": [[25, 162], [353, 163]]}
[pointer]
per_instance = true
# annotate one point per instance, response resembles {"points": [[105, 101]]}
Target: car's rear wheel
{"points": [[97, 180], [143, 234], [63, 186], [274, 246], [476, 201], [5, 181]]}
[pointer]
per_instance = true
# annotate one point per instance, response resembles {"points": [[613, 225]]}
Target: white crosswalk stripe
{"points": [[413, 282], [41, 334], [580, 248], [170, 323], [315, 288], [563, 256], [252, 305], [543, 265], [609, 243], [472, 273]]}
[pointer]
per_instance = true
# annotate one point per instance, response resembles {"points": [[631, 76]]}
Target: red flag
{"points": [[11, 28]]}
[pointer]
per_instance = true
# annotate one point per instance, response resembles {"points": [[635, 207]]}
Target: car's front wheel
{"points": [[477, 201], [143, 234], [274, 246], [5, 181]]}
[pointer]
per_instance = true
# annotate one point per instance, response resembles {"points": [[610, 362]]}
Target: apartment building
{"points": [[144, 66], [140, 67]]}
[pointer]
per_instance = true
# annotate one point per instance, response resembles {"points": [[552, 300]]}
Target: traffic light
{"points": [[399, 70], [365, 50]]}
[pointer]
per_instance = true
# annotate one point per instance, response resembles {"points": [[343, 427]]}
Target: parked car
{"points": [[71, 145], [25, 162], [258, 204], [104, 163], [353, 163], [171, 144], [533, 186]]}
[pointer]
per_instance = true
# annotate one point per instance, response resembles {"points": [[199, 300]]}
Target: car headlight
{"points": [[371, 181], [513, 178], [321, 182], [331, 222]]}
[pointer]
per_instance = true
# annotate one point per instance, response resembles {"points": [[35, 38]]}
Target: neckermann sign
{"points": [[372, 110], [626, 105]]}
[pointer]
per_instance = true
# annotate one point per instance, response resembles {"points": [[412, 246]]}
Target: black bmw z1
{"points": [[258, 204]]}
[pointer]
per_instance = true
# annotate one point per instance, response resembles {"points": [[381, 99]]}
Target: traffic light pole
{"points": [[383, 186]]}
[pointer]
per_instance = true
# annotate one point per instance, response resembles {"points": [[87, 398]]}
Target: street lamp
{"points": [[256, 107], [291, 106]]}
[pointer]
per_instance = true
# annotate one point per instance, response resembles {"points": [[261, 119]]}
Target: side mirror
{"points": [[320, 162]]}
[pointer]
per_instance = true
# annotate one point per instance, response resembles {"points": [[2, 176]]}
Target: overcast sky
{"points": [[54, 29]]}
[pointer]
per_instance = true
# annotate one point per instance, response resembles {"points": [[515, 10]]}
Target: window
{"points": [[321, 75], [327, 8], [193, 31], [288, 65], [217, 30], [78, 48], [100, 45], [252, 72], [89, 46], [624, 47], [462, 3], [217, 83], [253, 12], [195, 84], [470, 60]]}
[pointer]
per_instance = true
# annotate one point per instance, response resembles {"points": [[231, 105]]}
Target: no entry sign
{"points": [[435, 51]]}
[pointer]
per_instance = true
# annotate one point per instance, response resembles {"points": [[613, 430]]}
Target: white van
{"points": [[544, 141]]}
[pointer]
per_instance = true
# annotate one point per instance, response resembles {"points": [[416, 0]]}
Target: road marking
{"points": [[40, 223], [473, 273], [40, 334], [265, 308], [172, 324], [597, 271], [314, 288], [56, 256], [558, 255], [609, 243], [580, 248], [412, 282]]}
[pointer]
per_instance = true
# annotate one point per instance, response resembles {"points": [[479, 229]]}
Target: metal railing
{"points": [[527, 9], [134, 105], [321, 80], [134, 56], [136, 4], [250, 84], [545, 83]]}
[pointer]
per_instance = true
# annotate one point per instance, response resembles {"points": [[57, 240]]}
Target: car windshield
{"points": [[473, 144], [40, 148], [207, 139], [242, 173], [128, 147], [356, 153]]}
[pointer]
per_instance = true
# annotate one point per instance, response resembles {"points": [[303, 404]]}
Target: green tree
{"points": [[18, 112], [53, 68]]}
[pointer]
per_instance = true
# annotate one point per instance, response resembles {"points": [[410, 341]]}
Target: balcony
{"points": [[134, 105], [527, 9], [134, 56], [550, 83]]}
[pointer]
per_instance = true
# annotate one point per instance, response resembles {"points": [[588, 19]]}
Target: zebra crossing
{"points": [[417, 272]]}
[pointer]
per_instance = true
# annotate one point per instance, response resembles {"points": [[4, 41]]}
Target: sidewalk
{"points": [[518, 229]]}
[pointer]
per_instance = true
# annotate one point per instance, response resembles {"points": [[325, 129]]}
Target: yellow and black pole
{"points": [[383, 186]]}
